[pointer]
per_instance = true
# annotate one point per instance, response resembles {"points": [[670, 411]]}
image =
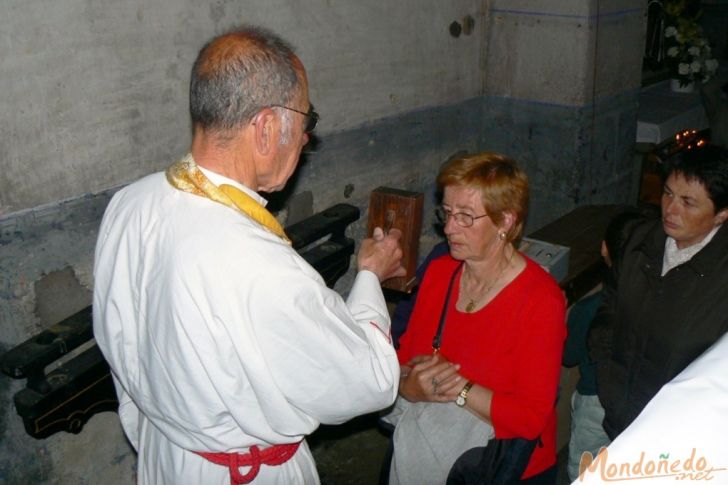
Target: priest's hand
{"points": [[382, 254]]}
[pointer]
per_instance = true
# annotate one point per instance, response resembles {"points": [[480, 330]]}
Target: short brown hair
{"points": [[502, 184]]}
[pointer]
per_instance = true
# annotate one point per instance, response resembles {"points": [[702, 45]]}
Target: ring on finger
{"points": [[435, 382]]}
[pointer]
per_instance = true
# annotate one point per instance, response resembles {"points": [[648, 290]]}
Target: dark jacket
{"points": [[651, 327]]}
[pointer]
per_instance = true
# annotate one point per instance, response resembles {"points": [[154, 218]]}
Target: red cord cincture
{"points": [[273, 456]]}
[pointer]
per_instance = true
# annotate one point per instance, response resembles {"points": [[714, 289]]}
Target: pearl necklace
{"points": [[473, 302]]}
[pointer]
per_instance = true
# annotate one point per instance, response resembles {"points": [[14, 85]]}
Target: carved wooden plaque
{"points": [[393, 208]]}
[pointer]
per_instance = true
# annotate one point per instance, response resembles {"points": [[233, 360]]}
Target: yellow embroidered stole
{"points": [[187, 177]]}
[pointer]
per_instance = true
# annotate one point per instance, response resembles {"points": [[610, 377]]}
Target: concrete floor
{"points": [[352, 453]]}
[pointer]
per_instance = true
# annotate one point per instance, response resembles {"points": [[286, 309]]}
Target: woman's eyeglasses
{"points": [[462, 219]]}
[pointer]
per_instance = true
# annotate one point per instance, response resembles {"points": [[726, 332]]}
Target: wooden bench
{"points": [[581, 230]]}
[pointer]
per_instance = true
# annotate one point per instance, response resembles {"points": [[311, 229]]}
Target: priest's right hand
{"points": [[382, 254]]}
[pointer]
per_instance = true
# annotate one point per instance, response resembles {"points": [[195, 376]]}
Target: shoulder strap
{"points": [[436, 341]]}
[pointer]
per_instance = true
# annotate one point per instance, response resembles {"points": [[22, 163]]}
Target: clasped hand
{"points": [[430, 378], [382, 254]]}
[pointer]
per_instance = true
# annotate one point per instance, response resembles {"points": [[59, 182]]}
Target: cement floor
{"points": [[352, 453]]}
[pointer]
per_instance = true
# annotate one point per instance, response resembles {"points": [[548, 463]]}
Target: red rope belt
{"points": [[273, 456]]}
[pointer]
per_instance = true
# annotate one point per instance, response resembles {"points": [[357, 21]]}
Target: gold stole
{"points": [[187, 177]]}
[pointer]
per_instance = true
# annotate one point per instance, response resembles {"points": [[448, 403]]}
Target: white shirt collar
{"points": [[675, 257], [218, 179]]}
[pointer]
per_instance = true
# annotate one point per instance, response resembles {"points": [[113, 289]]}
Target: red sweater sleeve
{"points": [[524, 410]]}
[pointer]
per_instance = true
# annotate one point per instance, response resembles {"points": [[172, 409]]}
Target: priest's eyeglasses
{"points": [[462, 219], [312, 116]]}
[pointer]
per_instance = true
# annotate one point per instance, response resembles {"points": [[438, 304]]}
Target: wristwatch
{"points": [[463, 396]]}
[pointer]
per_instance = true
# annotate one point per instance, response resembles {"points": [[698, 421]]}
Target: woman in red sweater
{"points": [[482, 352]]}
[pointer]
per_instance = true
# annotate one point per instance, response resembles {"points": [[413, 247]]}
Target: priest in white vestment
{"points": [[224, 343], [680, 436]]}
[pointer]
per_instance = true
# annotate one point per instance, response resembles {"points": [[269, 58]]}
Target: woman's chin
{"points": [[455, 253]]}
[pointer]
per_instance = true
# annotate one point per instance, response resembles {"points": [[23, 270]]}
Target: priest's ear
{"points": [[267, 130]]}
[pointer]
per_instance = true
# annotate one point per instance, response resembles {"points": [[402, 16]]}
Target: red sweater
{"points": [[512, 346]]}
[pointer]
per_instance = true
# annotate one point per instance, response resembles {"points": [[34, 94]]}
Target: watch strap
{"points": [[463, 396]]}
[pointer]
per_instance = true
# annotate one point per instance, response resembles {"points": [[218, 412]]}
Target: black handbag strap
{"points": [[437, 339]]}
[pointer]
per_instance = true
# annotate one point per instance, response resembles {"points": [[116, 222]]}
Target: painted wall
{"points": [[563, 97], [95, 96], [98, 90]]}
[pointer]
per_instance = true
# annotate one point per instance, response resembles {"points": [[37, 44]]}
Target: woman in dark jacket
{"points": [[671, 297]]}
